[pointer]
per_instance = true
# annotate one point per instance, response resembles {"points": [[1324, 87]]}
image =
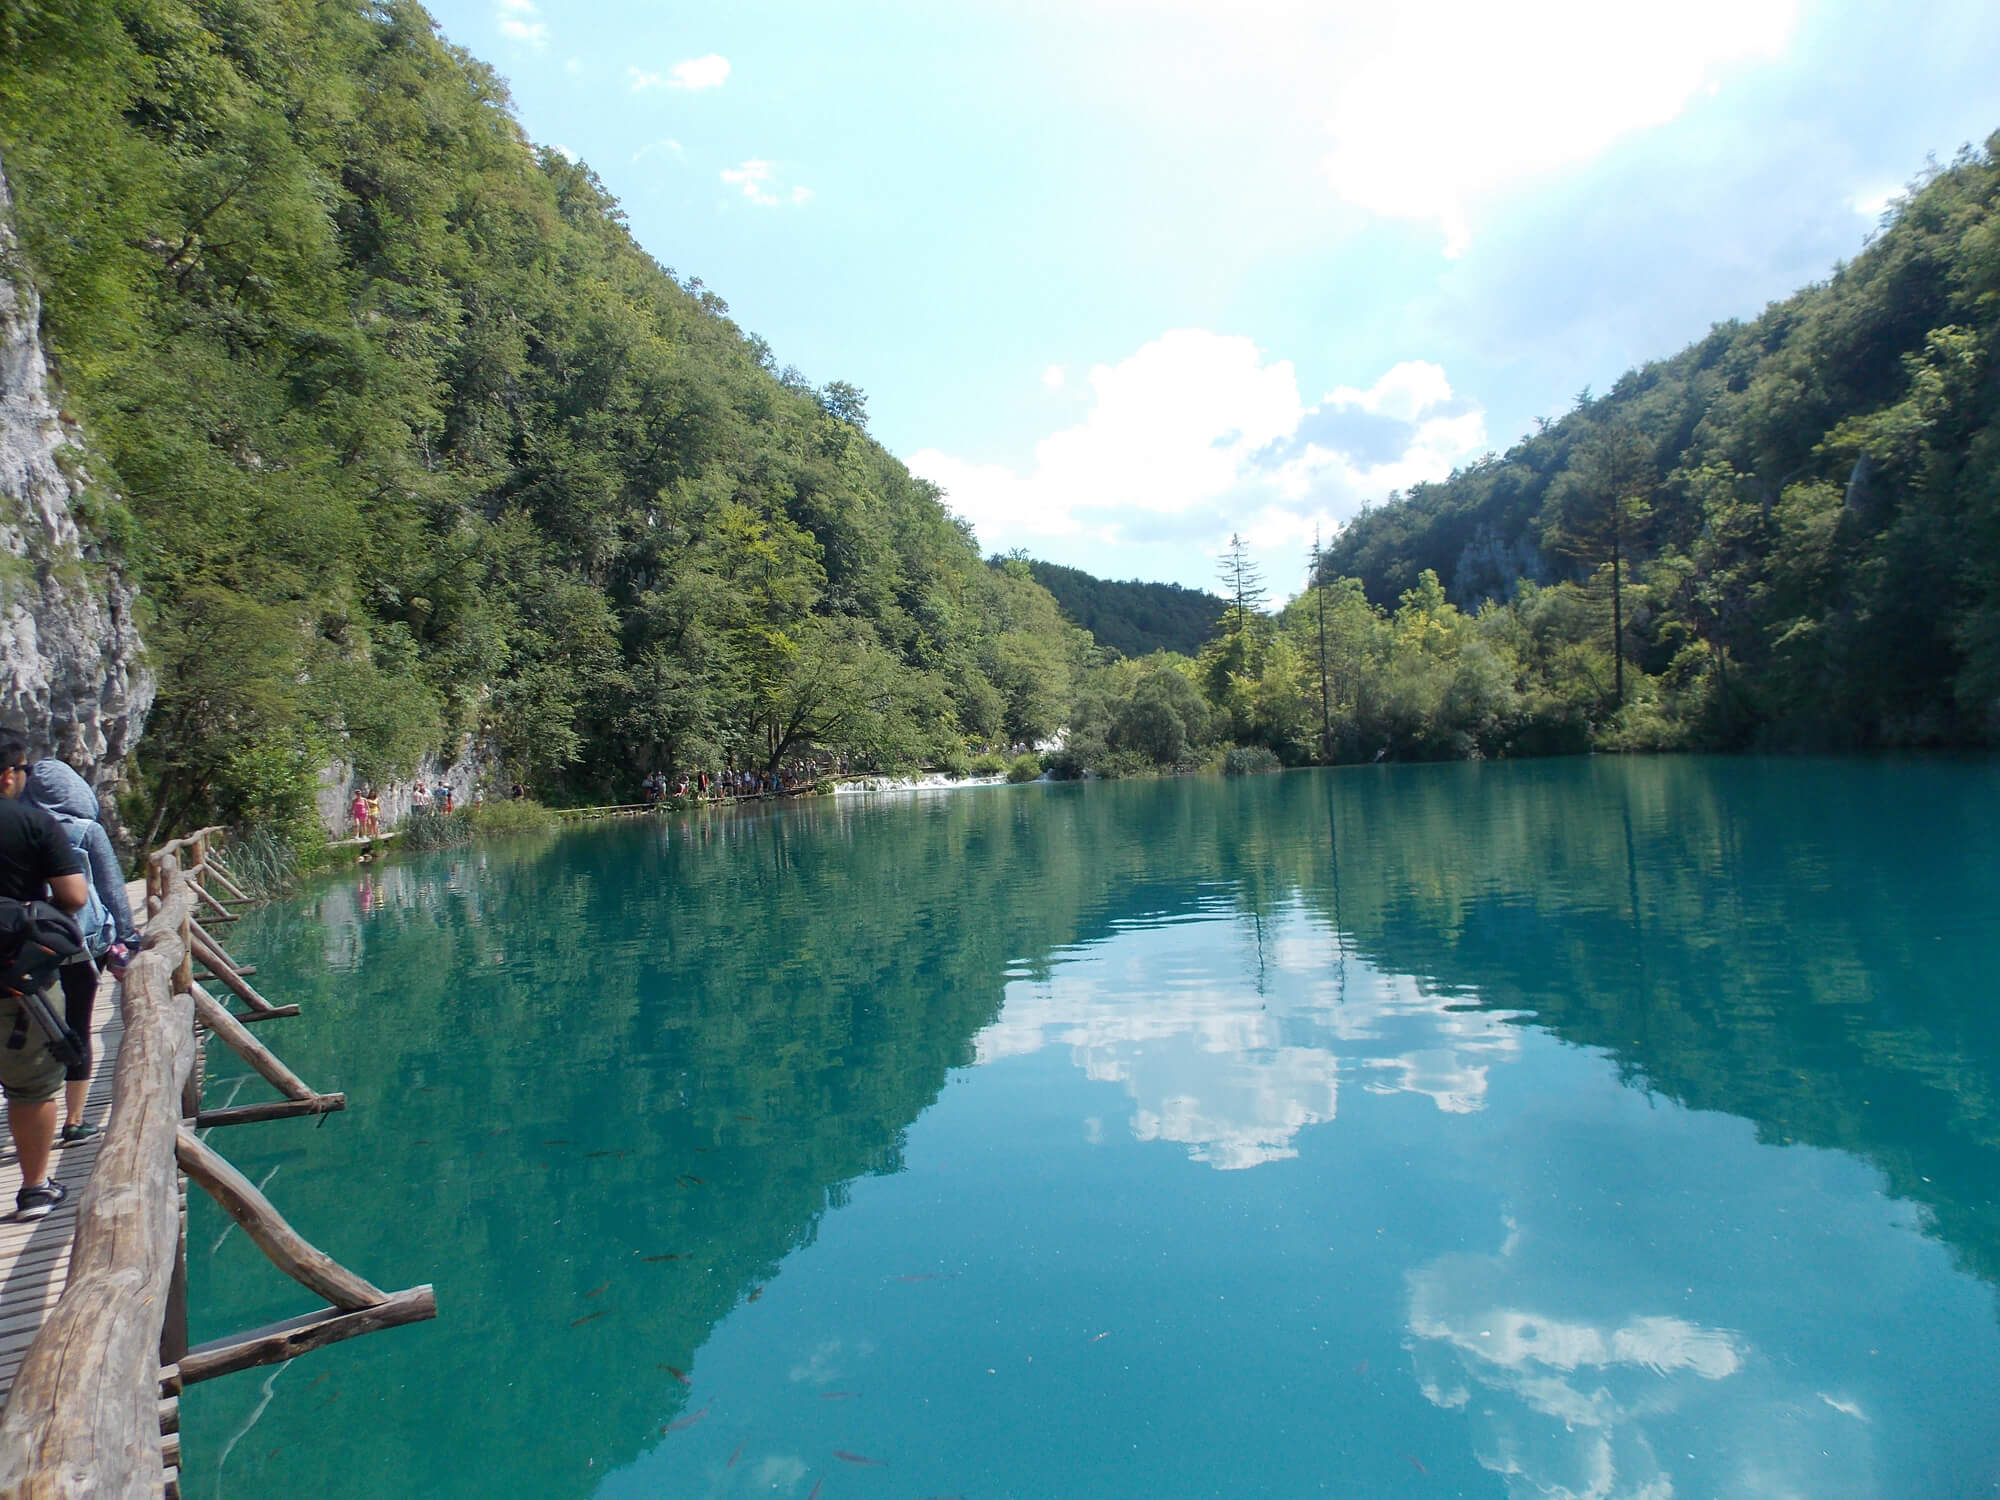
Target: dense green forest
{"points": [[1797, 517], [1132, 618], [1787, 534], [406, 438]]}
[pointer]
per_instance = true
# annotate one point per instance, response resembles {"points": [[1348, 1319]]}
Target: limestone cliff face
{"points": [[72, 667]]}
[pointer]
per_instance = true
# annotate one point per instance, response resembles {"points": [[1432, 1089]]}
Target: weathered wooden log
{"points": [[170, 1450], [295, 1336], [170, 1380], [312, 1268], [210, 942], [222, 913], [225, 971], [174, 1326], [271, 1013], [212, 1014], [213, 866], [83, 1416], [184, 966], [170, 1414], [278, 1109], [192, 1084]]}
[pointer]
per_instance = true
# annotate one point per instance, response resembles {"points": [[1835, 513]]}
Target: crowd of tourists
{"points": [[62, 913], [364, 809]]}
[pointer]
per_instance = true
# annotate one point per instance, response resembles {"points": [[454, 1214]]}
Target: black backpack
{"points": [[36, 939]]}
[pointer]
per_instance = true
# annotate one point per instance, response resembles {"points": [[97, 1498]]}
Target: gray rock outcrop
{"points": [[72, 667]]}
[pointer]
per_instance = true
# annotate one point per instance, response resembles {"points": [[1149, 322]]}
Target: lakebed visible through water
{"points": [[1594, 1127]]}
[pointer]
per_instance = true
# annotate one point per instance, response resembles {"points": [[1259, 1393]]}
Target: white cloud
{"points": [[1196, 435], [573, 66], [566, 154], [754, 177], [515, 17], [709, 72], [1428, 109], [669, 145], [758, 180], [1054, 377], [1458, 100], [1872, 203], [642, 80]]}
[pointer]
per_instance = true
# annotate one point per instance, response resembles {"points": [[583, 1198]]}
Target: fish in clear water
{"points": [[1416, 1463], [855, 1458], [598, 1291], [683, 1423], [755, 1293], [734, 1456], [815, 1489], [587, 1317], [653, 1260], [685, 1179], [1104, 1335], [678, 1375], [836, 1395]]}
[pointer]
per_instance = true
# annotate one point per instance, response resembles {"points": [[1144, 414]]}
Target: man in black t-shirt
{"points": [[34, 855]]}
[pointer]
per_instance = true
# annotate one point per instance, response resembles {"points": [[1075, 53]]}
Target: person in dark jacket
{"points": [[106, 919], [35, 855]]}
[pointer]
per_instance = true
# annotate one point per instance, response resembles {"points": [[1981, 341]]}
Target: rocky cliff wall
{"points": [[72, 667]]}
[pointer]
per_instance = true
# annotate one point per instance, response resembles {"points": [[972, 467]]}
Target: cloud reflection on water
{"points": [[1572, 1400], [1232, 1047]]}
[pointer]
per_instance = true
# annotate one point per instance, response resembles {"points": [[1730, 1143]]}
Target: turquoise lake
{"points": [[1570, 1128]]}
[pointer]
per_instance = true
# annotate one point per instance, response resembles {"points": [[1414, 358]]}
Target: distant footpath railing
{"points": [[95, 1408]]}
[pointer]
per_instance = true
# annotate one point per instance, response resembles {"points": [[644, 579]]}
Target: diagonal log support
{"points": [[279, 1342], [311, 1268], [222, 913]]}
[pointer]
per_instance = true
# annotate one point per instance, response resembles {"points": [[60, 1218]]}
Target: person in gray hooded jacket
{"points": [[106, 920]]}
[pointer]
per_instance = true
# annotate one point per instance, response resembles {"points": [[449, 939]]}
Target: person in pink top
{"points": [[358, 811]]}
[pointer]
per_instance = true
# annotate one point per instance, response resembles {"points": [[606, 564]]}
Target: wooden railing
{"points": [[95, 1408]]}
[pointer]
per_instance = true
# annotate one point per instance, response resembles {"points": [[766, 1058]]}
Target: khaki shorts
{"points": [[28, 1074]]}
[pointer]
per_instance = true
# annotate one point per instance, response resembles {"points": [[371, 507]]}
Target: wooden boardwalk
{"points": [[34, 1258]]}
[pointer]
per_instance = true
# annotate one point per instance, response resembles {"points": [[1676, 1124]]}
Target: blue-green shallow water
{"points": [[1570, 1128]]}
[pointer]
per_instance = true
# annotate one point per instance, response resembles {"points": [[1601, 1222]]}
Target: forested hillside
{"points": [[1133, 618], [1797, 518], [405, 437]]}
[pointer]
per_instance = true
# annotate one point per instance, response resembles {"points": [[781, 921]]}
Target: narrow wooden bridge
{"points": [[93, 1299]]}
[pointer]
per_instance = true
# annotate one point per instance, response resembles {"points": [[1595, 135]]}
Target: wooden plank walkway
{"points": [[34, 1258]]}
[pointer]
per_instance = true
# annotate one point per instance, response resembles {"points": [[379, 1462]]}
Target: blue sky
{"points": [[1125, 276]]}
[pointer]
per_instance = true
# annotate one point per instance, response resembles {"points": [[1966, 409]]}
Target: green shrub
{"points": [[503, 819], [993, 763], [1026, 768], [1125, 763], [956, 764], [428, 828], [1248, 760], [264, 863]]}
